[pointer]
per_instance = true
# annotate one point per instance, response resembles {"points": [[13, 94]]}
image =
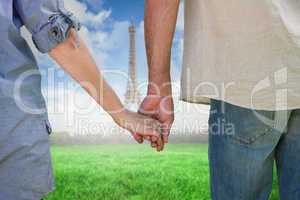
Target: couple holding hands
{"points": [[233, 50]]}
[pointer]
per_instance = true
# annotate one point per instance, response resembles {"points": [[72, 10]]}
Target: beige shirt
{"points": [[245, 52]]}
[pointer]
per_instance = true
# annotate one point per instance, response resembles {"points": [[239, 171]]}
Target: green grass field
{"points": [[135, 172]]}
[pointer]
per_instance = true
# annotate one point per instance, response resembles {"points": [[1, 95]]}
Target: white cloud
{"points": [[102, 42], [86, 17]]}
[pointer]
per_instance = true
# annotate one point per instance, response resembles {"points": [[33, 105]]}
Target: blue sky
{"points": [[105, 30], [122, 10]]}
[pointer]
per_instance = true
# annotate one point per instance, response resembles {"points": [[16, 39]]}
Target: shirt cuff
{"points": [[55, 31]]}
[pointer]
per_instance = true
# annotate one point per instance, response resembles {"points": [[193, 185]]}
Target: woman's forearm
{"points": [[78, 62]]}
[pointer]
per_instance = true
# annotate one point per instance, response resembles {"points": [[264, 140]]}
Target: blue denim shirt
{"points": [[25, 166], [49, 23]]}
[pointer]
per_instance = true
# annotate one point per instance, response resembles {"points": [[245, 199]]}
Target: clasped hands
{"points": [[152, 122]]}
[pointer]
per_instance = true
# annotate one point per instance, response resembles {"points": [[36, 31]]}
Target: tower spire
{"points": [[132, 96]]}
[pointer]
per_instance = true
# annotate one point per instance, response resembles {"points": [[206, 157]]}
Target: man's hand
{"points": [[160, 22], [160, 108], [144, 126]]}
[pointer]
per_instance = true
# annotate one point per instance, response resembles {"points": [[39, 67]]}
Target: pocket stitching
{"points": [[251, 140]]}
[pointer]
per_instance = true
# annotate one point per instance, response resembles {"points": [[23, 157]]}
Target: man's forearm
{"points": [[79, 63], [160, 23]]}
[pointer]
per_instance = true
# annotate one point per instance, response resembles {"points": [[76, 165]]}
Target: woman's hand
{"points": [[78, 62], [141, 125]]}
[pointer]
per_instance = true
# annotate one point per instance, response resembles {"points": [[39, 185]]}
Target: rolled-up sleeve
{"points": [[47, 20]]}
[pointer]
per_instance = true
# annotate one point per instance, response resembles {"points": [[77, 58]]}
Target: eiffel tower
{"points": [[132, 95]]}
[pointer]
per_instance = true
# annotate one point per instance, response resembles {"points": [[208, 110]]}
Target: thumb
{"points": [[138, 138], [149, 104]]}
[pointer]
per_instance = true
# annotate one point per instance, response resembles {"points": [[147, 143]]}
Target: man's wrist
{"points": [[159, 91], [164, 89], [160, 85]]}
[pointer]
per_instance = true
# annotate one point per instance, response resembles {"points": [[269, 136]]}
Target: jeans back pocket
{"points": [[240, 124]]}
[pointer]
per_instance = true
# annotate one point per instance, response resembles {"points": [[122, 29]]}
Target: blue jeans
{"points": [[243, 146]]}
